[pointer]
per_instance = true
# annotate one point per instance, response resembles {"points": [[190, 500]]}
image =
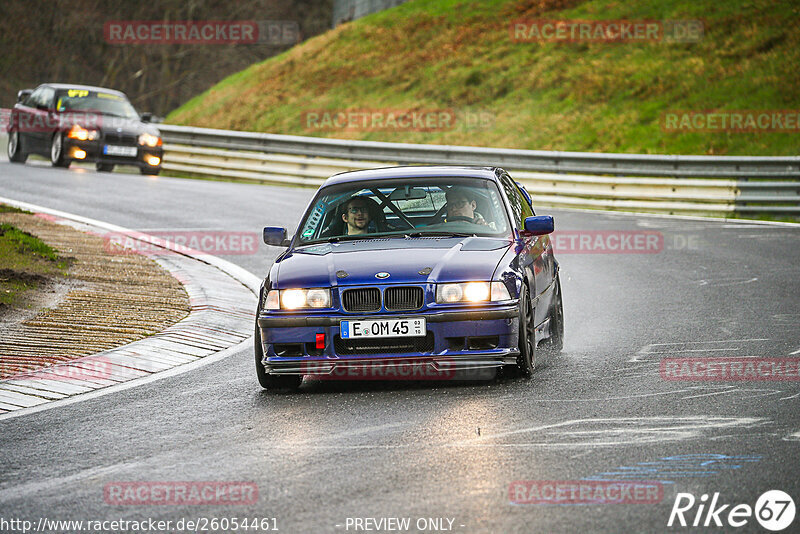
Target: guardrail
{"points": [[706, 185], [703, 185]]}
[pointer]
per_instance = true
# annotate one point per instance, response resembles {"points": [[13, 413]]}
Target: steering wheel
{"points": [[460, 218]]}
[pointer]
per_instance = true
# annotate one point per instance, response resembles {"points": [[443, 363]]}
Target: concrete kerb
{"points": [[222, 299]]}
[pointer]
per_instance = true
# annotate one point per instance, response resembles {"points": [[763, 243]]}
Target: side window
{"points": [[33, 98], [526, 196], [514, 198], [46, 99], [526, 208]]}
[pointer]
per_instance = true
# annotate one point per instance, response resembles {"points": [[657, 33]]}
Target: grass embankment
{"points": [[604, 97], [26, 262]]}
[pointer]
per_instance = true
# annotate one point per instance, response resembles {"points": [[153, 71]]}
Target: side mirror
{"points": [[22, 95], [276, 236], [539, 225], [147, 116]]}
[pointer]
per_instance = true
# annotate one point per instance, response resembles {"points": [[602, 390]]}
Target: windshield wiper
{"points": [[358, 237], [439, 233]]}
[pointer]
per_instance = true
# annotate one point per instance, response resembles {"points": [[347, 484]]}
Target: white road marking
{"points": [[642, 355], [581, 433], [734, 389], [724, 282], [795, 352], [795, 436], [690, 350]]}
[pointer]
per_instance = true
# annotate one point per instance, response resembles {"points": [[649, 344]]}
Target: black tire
{"points": [[57, 158], [556, 342], [149, 172], [16, 154], [105, 167], [526, 361], [268, 381]]}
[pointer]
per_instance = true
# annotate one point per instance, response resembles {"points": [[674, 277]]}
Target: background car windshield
{"points": [[95, 102], [410, 206]]}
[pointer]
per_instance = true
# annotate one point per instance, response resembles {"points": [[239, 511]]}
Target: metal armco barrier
{"points": [[706, 185]]}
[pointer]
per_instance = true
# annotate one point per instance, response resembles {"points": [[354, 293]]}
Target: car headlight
{"points": [[295, 299], [82, 134], [471, 292], [149, 140]]}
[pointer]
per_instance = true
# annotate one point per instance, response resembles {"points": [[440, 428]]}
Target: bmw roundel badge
{"points": [[382, 274]]}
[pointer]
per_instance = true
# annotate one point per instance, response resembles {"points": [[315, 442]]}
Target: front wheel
{"points": [[15, 152], [149, 172], [557, 320], [57, 158], [526, 361], [268, 381], [105, 167]]}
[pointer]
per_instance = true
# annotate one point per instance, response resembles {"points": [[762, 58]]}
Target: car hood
{"points": [[409, 260], [107, 123]]}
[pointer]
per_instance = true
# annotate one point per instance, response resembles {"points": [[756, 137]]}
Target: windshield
{"points": [[420, 206], [95, 102]]}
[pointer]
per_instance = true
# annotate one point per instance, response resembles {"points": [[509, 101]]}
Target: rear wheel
{"points": [[15, 152], [526, 361], [268, 381], [104, 167], [57, 158]]}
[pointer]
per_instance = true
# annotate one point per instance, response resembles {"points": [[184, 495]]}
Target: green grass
{"points": [[25, 262], [11, 209], [604, 97]]}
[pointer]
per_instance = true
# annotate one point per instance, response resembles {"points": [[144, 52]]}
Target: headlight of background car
{"points": [[295, 299], [149, 140], [471, 292], [82, 134]]}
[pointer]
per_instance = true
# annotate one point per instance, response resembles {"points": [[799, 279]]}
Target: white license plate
{"points": [[114, 150], [382, 328]]}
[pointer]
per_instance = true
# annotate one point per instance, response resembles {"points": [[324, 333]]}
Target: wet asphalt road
{"points": [[357, 450]]}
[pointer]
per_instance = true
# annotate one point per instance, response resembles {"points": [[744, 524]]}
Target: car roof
{"points": [[85, 87], [414, 171]]}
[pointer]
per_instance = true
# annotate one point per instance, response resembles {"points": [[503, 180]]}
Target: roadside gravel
{"points": [[108, 300]]}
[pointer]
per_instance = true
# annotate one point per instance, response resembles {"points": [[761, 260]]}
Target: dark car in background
{"points": [[440, 268], [67, 123]]}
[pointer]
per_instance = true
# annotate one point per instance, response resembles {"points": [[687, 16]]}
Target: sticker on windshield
{"points": [[109, 96]]}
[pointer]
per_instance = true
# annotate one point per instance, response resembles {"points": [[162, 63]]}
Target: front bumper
{"points": [[93, 152], [457, 340]]}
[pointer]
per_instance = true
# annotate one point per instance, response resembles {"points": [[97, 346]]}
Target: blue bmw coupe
{"points": [[429, 269]]}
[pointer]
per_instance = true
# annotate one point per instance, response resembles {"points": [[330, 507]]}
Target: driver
{"points": [[356, 216], [461, 203]]}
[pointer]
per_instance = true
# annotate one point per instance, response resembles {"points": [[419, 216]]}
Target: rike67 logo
{"points": [[774, 510]]}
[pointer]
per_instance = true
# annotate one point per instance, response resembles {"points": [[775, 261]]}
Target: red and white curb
{"points": [[222, 298]]}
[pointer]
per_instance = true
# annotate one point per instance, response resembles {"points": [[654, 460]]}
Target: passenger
{"points": [[356, 216], [461, 203]]}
